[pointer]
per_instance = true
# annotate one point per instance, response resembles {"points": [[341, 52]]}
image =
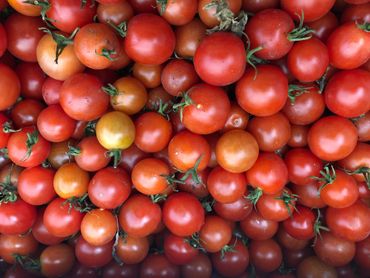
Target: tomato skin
{"points": [[208, 15], [41, 233], [31, 77], [17, 148], [26, 112], [256, 227], [82, 97], [59, 220], [139, 216], [255, 6], [23, 44], [235, 211], [9, 82], [115, 12], [299, 136], [327, 142], [312, 10], [314, 267], [35, 185], [359, 13], [93, 256], [130, 156], [4, 137], [25, 8], [347, 46], [349, 223], [153, 132], [157, 265], [109, 188], [265, 255], [17, 244], [17, 217], [178, 12], [185, 148], [290, 243], [264, 95], [262, 31], [362, 257], [149, 39], [308, 60], [98, 227], [324, 26], [220, 59], [224, 186], [149, 75], [301, 224], [309, 194], [236, 151], [269, 173], [68, 63], [178, 251], [132, 250], [115, 130], [208, 111], [67, 15], [214, 234], [183, 214], [302, 164], [347, 92], [57, 260]]}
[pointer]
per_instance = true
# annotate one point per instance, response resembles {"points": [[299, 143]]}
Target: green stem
{"points": [[300, 33], [110, 90]]}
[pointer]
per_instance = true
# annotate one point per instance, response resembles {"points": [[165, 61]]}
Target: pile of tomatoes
{"points": [[184, 138]]}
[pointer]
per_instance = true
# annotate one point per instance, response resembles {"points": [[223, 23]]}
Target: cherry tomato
{"points": [[149, 75], [235, 211], [214, 234], [177, 250], [26, 112], [256, 227], [157, 265], [41, 233], [9, 82], [57, 260], [4, 137], [265, 255], [312, 10], [324, 26], [362, 253], [178, 12], [299, 136], [132, 250], [208, 14], [114, 12], [24, 245], [302, 223], [93, 256], [290, 243], [32, 78], [313, 267], [309, 194], [200, 267]]}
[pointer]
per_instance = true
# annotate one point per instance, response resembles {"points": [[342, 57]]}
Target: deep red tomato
{"points": [[256, 227], [220, 59], [255, 6], [57, 260], [24, 245], [3, 41], [347, 93], [139, 216], [41, 233], [263, 94], [299, 136], [347, 46], [177, 250], [235, 211], [9, 83], [269, 173], [324, 26], [51, 90], [309, 194], [183, 214], [308, 60], [290, 243], [132, 250], [226, 187], [93, 256], [214, 234], [357, 13], [149, 39], [4, 137], [130, 156], [208, 14], [362, 253], [25, 112], [237, 118], [54, 124], [302, 165], [115, 12], [178, 12], [157, 265], [312, 9], [31, 77], [301, 224], [35, 185], [16, 217], [207, 111], [109, 188], [60, 219], [27, 148], [330, 143], [82, 97], [350, 223], [313, 267], [363, 127], [265, 255]]}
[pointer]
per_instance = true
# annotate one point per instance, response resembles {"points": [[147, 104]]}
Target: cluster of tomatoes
{"points": [[184, 138]]}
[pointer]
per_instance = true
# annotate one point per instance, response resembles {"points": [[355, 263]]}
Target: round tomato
{"points": [[57, 260], [255, 227], [214, 234], [93, 256], [302, 224], [9, 83], [312, 10], [132, 250], [24, 245], [178, 250], [265, 255]]}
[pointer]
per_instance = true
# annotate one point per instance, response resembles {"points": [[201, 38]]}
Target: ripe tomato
{"points": [[237, 118], [328, 142], [290, 243], [255, 227], [178, 12], [96, 45], [68, 63], [224, 186], [178, 250], [236, 151], [114, 12], [109, 188], [115, 130], [149, 39], [183, 214], [220, 59], [208, 14], [25, 8], [312, 267], [312, 10], [130, 156], [255, 6], [26, 112], [233, 263], [54, 124], [324, 26], [200, 267], [93, 256], [9, 83], [139, 216], [362, 253], [155, 265], [347, 46], [269, 173], [57, 260], [132, 250], [153, 132], [197, 188], [71, 181], [24, 245], [308, 60], [82, 97], [4, 137], [302, 223], [309, 194], [27, 148], [265, 255], [35, 185], [60, 219], [302, 165], [349, 223], [186, 148], [41, 233], [348, 85], [32, 78], [215, 234], [235, 211], [208, 109], [98, 227], [149, 75], [16, 217], [270, 30], [299, 136], [264, 94]]}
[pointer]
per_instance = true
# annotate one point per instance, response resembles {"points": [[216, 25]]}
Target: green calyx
{"points": [[328, 176], [300, 33], [295, 91]]}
